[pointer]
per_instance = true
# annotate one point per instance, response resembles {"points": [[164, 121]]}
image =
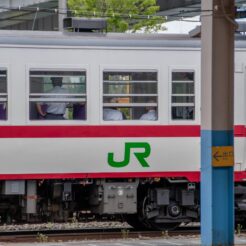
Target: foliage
{"points": [[121, 15], [125, 233], [42, 238], [239, 229]]}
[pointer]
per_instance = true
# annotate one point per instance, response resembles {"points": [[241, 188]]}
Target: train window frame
{"points": [[50, 68], [113, 68], [195, 94], [6, 67]]}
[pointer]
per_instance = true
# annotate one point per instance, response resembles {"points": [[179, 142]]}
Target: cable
{"points": [[34, 20], [181, 14], [234, 23], [100, 14]]}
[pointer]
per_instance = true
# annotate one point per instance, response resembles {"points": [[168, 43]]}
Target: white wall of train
{"points": [[52, 169]]}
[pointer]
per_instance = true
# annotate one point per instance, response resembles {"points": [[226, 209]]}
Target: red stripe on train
{"points": [[190, 176], [106, 131], [240, 131], [98, 131]]}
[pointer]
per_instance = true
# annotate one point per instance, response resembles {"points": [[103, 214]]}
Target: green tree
{"points": [[122, 15]]}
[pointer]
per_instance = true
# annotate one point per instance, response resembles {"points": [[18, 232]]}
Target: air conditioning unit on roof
{"points": [[78, 24]]}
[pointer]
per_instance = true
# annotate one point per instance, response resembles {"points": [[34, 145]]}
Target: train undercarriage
{"points": [[156, 203]]}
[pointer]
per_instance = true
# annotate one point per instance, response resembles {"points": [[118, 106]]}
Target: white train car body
{"points": [[168, 147], [30, 149]]}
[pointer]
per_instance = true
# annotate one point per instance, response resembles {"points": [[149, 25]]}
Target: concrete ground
{"points": [[177, 241]]}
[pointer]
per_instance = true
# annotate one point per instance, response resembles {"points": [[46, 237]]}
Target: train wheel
{"points": [[150, 223]]}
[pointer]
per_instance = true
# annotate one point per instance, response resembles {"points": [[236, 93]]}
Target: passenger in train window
{"points": [[79, 111], [41, 108], [3, 92], [112, 113], [54, 110], [3, 109], [151, 113]]}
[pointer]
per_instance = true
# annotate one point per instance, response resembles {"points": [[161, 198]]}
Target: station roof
{"points": [[14, 18], [187, 9]]}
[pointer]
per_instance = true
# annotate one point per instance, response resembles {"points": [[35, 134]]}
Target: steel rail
{"points": [[91, 234]]}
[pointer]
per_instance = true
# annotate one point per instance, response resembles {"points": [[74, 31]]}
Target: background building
{"points": [[23, 14]]}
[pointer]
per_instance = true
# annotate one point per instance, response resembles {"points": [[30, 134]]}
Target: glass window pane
{"points": [[73, 82], [129, 113], [55, 73], [128, 87], [183, 113], [57, 95], [183, 99], [182, 76], [130, 99], [126, 76], [130, 95], [183, 90], [3, 94], [3, 72]]}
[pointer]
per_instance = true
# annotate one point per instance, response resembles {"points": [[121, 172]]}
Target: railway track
{"points": [[90, 234]]}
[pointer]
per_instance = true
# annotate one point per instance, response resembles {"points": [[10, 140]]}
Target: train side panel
{"points": [[33, 155], [91, 155]]}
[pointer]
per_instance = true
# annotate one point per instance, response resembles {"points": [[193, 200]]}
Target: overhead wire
{"points": [[227, 16], [34, 19], [181, 14]]}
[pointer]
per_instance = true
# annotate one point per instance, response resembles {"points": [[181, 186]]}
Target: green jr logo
{"points": [[141, 156]]}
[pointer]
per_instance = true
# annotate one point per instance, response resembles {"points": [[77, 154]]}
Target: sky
{"points": [[186, 25], [181, 26]]}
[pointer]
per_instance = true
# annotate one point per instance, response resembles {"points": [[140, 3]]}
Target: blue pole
{"points": [[217, 192]]}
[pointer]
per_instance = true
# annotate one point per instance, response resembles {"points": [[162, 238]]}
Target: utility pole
{"points": [[62, 13], [217, 150]]}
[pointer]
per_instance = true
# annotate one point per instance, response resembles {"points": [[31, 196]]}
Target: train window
{"points": [[3, 94], [57, 95], [183, 96], [129, 95]]}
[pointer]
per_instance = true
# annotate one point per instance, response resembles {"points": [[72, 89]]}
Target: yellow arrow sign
{"points": [[223, 156]]}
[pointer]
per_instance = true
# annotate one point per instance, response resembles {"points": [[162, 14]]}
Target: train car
{"points": [[95, 125]]}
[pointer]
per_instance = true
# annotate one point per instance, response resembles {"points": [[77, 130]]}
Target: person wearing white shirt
{"points": [[150, 115], [54, 110], [112, 113]]}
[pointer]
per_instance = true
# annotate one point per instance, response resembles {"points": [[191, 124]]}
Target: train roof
{"points": [[41, 38]]}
